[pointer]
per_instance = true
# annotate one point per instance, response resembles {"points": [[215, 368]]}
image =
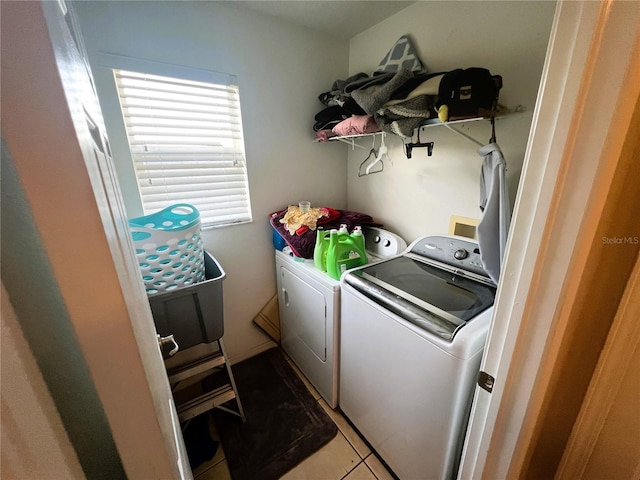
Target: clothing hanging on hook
{"points": [[495, 205]]}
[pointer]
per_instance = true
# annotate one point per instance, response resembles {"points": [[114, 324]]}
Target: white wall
{"points": [[281, 70], [417, 196]]}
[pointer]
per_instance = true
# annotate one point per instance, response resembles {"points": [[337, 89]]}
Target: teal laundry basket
{"points": [[169, 248]]}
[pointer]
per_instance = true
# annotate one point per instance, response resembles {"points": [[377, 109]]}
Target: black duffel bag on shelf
{"points": [[468, 93]]}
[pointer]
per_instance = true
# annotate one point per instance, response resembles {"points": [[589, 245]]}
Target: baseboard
{"points": [[253, 351]]}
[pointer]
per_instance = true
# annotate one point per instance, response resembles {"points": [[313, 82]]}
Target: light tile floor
{"points": [[346, 457]]}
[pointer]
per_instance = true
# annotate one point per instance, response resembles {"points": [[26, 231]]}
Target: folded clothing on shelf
{"points": [[356, 125], [400, 95]]}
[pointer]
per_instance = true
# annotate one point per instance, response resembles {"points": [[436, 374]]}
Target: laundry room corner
{"points": [[419, 195]]}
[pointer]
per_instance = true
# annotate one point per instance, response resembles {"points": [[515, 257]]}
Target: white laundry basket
{"points": [[169, 248]]}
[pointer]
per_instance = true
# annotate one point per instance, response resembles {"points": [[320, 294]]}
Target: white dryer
{"points": [[309, 305]]}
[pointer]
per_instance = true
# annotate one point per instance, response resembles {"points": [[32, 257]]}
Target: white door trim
{"points": [[72, 193], [589, 53]]}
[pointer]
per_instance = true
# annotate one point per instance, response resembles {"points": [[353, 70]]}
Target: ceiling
{"points": [[336, 18]]}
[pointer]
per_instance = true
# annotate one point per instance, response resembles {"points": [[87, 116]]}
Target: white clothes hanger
{"points": [[382, 154], [373, 152]]}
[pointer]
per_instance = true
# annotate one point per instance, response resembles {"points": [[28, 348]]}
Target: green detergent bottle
{"points": [[358, 237], [331, 247], [344, 252], [320, 250]]}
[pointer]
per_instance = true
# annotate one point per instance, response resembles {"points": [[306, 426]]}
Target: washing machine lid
{"points": [[434, 296]]}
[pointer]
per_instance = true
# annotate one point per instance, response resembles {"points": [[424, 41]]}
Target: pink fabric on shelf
{"points": [[324, 135], [356, 125]]}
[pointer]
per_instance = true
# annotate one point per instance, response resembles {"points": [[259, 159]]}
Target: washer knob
{"points": [[460, 254]]}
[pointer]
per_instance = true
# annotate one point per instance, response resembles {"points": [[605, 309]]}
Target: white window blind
{"points": [[186, 143]]}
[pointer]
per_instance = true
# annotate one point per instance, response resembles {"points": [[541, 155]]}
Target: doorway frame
{"points": [[72, 196], [591, 49], [554, 141]]}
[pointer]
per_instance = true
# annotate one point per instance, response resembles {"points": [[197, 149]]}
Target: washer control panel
{"points": [[451, 250], [382, 243]]}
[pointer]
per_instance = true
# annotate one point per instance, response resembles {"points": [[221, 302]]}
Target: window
{"points": [[186, 143]]}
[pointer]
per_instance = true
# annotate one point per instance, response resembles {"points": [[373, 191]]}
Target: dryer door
{"points": [[303, 314]]}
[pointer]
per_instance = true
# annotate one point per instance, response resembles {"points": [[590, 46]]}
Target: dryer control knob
{"points": [[460, 254]]}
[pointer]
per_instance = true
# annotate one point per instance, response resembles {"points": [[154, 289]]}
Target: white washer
{"points": [[309, 306], [412, 335]]}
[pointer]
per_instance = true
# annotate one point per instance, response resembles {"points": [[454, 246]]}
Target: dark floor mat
{"points": [[284, 423]]}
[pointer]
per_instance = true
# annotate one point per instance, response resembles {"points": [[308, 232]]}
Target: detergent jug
{"points": [[320, 250], [344, 252], [358, 237]]}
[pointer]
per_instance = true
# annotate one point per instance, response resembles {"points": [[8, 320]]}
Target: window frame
{"points": [[177, 72]]}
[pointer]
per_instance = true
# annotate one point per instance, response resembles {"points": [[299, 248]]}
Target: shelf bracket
{"points": [[350, 141], [461, 133]]}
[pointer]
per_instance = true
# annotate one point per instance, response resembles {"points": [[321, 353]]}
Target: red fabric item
{"points": [[330, 216]]}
